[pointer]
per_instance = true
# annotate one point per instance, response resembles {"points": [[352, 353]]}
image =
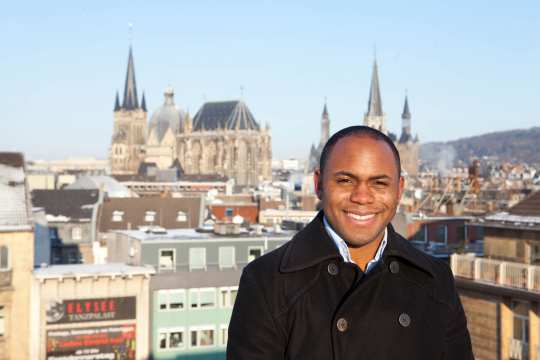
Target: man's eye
{"points": [[343, 181], [381, 183]]}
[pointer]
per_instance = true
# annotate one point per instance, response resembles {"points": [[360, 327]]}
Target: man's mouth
{"points": [[360, 217]]}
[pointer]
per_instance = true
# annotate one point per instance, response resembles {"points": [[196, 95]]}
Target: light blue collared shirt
{"points": [[344, 249]]}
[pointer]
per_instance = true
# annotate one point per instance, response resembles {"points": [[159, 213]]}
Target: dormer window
{"points": [[181, 216], [117, 216], [150, 216]]}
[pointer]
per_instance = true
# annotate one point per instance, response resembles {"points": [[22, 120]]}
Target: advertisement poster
{"points": [[115, 342], [90, 310]]}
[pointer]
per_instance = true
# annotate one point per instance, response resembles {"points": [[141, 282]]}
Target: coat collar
{"points": [[312, 245]]}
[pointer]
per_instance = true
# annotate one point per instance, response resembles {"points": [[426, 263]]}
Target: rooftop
{"points": [[91, 270], [14, 209], [194, 235]]}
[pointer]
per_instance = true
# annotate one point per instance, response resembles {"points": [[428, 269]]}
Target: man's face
{"points": [[360, 188]]}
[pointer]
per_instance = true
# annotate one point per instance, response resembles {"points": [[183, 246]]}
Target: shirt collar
{"points": [[344, 249]]}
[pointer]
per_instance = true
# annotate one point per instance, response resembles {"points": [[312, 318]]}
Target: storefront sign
{"points": [[90, 310]]}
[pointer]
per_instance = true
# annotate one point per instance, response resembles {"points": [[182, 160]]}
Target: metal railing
{"points": [[518, 350], [502, 273]]}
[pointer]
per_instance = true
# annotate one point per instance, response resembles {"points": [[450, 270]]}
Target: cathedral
{"points": [[223, 138], [407, 145]]}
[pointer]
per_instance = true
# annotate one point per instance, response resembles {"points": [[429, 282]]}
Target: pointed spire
{"points": [[325, 111], [143, 102], [406, 113], [375, 103], [117, 102], [325, 126], [130, 101]]}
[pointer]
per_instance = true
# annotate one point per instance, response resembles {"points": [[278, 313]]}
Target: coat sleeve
{"points": [[457, 339], [253, 332]]}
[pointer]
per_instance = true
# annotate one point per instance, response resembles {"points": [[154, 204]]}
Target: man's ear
{"points": [[401, 187], [317, 180]]}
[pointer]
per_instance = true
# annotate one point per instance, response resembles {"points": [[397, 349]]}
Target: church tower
{"points": [[325, 126], [129, 130], [408, 146], [374, 117]]}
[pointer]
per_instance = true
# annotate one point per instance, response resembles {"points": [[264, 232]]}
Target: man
{"points": [[347, 286]]}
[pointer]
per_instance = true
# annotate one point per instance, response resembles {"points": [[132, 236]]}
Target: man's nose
{"points": [[361, 194]]}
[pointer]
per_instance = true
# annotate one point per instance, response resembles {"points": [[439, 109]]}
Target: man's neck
{"points": [[361, 255]]}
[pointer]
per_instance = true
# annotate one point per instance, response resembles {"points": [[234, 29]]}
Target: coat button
{"points": [[333, 269], [342, 324], [404, 320], [394, 267]]}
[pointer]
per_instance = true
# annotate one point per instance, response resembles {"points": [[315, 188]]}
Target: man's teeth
{"points": [[360, 217]]}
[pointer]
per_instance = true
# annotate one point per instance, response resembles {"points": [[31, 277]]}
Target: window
{"points": [[117, 216], [226, 257], [76, 233], [171, 339], [181, 216], [441, 234], [521, 321], [254, 252], [4, 258], [227, 296], [197, 258], [202, 298], [2, 321], [166, 259], [420, 235], [171, 299], [223, 335], [229, 212], [150, 216], [202, 336]]}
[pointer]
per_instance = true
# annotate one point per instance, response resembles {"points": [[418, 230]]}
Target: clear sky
{"points": [[470, 67]]}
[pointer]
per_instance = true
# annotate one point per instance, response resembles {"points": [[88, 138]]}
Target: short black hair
{"points": [[358, 130]]}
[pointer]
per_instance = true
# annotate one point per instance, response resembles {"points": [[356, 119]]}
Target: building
{"points": [[90, 312], [500, 292], [374, 117], [71, 217], [129, 129], [16, 258], [222, 139], [315, 152], [193, 291]]}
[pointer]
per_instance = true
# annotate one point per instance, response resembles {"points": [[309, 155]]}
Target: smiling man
{"points": [[348, 286]]}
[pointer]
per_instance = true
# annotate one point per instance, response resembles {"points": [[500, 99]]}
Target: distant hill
{"points": [[521, 145]]}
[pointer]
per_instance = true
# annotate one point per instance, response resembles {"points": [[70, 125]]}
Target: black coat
{"points": [[302, 301]]}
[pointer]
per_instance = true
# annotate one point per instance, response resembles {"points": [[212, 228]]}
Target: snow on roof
{"points": [[91, 270], [110, 185], [13, 211]]}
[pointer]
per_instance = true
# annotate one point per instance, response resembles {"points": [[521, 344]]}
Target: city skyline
{"points": [[465, 74]]}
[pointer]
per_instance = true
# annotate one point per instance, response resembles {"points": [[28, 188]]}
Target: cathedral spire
{"points": [[325, 126], [130, 101], [117, 102], [406, 113], [143, 102], [406, 134], [375, 103]]}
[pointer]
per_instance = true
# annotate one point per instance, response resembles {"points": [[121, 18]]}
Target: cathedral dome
{"points": [[168, 115]]}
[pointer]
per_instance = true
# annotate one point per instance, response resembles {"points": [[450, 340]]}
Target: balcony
{"points": [[519, 350], [5, 278], [495, 272]]}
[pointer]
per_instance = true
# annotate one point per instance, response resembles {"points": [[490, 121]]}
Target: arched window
{"points": [[4, 257]]}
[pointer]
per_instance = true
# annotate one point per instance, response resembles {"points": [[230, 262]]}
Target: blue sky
{"points": [[469, 67]]}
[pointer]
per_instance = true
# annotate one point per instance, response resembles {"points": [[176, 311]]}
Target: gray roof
{"points": [[167, 116], [375, 102], [228, 115], [87, 270], [110, 185], [74, 204], [14, 209], [194, 235]]}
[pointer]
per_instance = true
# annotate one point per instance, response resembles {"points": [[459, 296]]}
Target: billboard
{"points": [[114, 342], [90, 310]]}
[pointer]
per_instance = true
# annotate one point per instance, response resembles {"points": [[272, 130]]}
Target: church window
{"points": [[4, 258]]}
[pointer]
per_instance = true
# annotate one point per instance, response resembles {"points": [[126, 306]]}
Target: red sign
{"points": [[114, 342], [88, 310]]}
